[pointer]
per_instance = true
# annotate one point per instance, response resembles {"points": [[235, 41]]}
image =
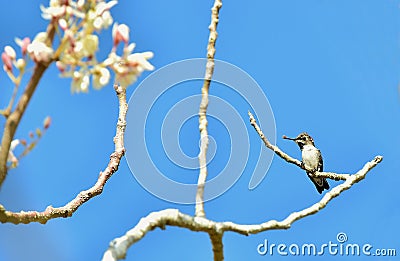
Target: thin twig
{"points": [[83, 196], [14, 118], [12, 100], [173, 217], [203, 109]]}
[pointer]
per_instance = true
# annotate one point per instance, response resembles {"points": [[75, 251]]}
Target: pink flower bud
{"points": [[60, 66], [46, 122], [23, 44], [7, 62], [120, 33]]}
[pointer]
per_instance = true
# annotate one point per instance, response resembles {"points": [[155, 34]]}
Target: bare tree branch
{"points": [[203, 108], [172, 217], [14, 118], [83, 196]]}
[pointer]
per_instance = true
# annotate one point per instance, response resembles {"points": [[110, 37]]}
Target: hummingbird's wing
{"points": [[320, 183], [320, 167]]}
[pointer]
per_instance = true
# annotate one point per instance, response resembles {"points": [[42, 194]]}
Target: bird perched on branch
{"points": [[311, 159]]}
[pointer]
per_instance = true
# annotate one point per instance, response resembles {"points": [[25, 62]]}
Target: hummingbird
{"points": [[311, 159]]}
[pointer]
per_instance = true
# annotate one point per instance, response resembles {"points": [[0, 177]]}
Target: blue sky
{"points": [[330, 68]]}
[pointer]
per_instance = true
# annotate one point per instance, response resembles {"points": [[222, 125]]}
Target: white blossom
{"points": [[39, 51], [103, 21], [53, 11], [111, 59], [101, 77], [140, 60], [87, 46], [103, 6], [130, 66], [80, 82]]}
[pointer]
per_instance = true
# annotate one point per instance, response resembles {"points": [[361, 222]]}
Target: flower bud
{"points": [[7, 62], [46, 122], [10, 52], [120, 33], [20, 64]]}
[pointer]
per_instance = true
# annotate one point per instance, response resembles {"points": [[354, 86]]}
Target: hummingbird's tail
{"points": [[320, 183]]}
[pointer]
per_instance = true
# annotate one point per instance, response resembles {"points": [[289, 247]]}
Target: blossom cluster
{"points": [[78, 24]]}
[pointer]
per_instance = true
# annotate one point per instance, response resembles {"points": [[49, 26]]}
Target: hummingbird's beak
{"points": [[287, 138]]}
